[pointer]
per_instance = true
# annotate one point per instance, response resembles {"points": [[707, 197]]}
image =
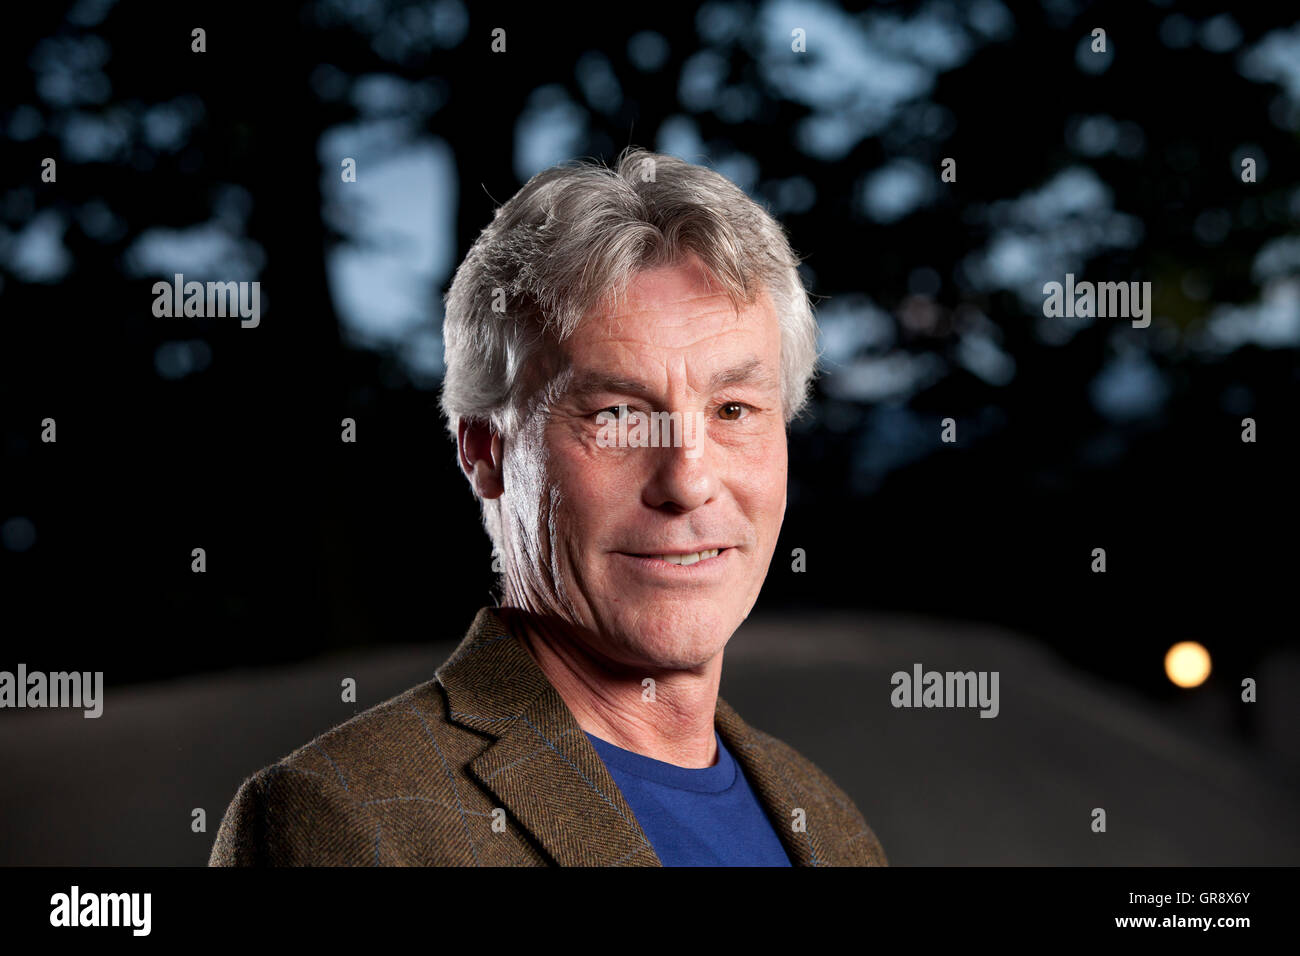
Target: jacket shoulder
{"points": [[319, 805], [831, 816]]}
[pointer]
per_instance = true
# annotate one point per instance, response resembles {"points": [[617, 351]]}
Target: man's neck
{"points": [[670, 720]]}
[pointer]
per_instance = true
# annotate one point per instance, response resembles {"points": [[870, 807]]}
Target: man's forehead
{"points": [[594, 377], [686, 287], [615, 353], [677, 322], [720, 330], [671, 302]]}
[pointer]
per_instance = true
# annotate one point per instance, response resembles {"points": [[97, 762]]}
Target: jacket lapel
{"points": [[550, 779], [770, 782], [540, 766]]}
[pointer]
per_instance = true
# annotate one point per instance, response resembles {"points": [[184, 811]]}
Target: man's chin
{"points": [[672, 645]]}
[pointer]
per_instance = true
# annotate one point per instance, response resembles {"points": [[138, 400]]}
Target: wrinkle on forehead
{"points": [[690, 309]]}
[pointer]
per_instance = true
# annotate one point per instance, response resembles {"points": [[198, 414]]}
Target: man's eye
{"points": [[733, 411], [618, 411]]}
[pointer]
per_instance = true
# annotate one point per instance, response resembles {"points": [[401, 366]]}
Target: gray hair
{"points": [[570, 241]]}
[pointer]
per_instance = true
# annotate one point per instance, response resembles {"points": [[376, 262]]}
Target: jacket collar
{"points": [[546, 773]]}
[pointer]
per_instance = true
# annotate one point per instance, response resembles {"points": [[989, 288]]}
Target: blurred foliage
{"points": [[1115, 166]]}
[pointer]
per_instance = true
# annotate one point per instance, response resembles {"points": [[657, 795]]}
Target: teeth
{"points": [[686, 558]]}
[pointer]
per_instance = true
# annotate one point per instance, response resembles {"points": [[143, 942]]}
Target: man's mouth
{"points": [[691, 558], [683, 557]]}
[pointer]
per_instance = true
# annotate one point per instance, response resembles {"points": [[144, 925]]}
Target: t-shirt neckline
{"points": [[713, 779]]}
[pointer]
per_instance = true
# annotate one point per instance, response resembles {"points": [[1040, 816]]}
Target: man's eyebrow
{"points": [[750, 372], [598, 383]]}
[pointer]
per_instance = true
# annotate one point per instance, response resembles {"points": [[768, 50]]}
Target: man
{"points": [[625, 349]]}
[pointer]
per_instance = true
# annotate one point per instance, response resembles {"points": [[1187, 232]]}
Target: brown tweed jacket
{"points": [[486, 766]]}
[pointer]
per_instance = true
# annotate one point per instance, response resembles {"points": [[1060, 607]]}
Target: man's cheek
{"points": [[762, 490], [606, 482], [588, 507]]}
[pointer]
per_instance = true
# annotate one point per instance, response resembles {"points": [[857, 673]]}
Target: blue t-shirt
{"points": [[695, 817]]}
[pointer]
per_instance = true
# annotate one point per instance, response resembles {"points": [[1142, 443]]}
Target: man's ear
{"points": [[480, 457]]}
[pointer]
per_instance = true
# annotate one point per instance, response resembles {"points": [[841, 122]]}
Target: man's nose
{"points": [[684, 471]]}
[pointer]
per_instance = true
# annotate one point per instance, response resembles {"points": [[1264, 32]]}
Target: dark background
{"points": [[182, 433]]}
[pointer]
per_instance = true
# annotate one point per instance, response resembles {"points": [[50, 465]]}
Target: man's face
{"points": [[589, 525]]}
